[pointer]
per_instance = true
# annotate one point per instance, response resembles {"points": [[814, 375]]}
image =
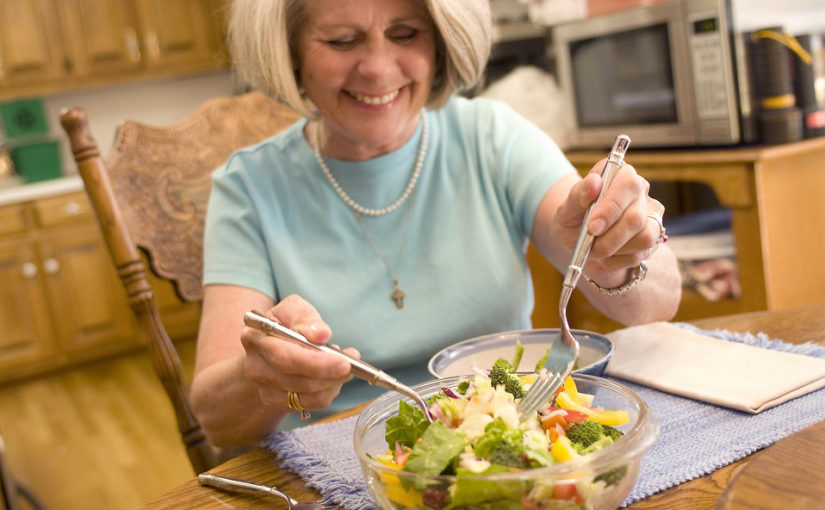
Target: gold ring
{"points": [[662, 231], [294, 403]]}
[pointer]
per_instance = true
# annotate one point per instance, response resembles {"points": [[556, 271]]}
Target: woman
{"points": [[393, 220]]}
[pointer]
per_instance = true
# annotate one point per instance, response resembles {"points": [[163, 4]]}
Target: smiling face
{"points": [[368, 66]]}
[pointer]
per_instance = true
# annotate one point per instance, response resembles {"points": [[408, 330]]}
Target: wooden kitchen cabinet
{"points": [[30, 44], [174, 32], [88, 306], [62, 300], [50, 46], [774, 195], [25, 338], [101, 37]]}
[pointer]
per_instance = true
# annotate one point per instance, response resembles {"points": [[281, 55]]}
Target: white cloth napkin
{"points": [[730, 374]]}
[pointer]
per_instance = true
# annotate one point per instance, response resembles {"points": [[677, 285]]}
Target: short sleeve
{"points": [[234, 247], [529, 161]]}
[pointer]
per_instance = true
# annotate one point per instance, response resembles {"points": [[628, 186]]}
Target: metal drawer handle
{"points": [[72, 208], [51, 266], [29, 270]]}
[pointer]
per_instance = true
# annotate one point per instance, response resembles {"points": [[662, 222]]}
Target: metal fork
{"points": [[564, 350], [235, 485]]}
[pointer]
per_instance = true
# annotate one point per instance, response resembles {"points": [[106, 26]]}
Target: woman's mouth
{"points": [[376, 100]]}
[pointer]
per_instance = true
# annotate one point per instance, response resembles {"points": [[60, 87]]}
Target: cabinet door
{"points": [[30, 50], [174, 31], [88, 301], [26, 334], [102, 36]]}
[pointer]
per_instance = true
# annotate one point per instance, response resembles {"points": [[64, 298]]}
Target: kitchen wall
{"points": [[796, 16], [157, 102]]}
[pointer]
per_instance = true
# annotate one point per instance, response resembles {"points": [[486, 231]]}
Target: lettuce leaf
{"points": [[438, 447], [470, 491], [406, 427], [495, 433]]}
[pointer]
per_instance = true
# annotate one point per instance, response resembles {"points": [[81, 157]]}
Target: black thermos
{"points": [[813, 113], [779, 118]]}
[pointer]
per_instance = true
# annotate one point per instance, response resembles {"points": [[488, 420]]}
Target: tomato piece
{"points": [[550, 422], [565, 489]]}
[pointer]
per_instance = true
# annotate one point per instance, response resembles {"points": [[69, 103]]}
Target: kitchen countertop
{"points": [[16, 193]]}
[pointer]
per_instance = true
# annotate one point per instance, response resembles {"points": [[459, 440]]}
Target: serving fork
{"points": [[236, 485], [564, 350]]}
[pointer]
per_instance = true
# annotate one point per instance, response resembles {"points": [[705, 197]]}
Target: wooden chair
{"points": [[150, 195]]}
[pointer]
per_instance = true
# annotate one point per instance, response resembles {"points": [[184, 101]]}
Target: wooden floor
{"points": [[101, 436]]}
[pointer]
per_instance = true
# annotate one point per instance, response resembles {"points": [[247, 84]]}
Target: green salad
{"points": [[477, 431]]}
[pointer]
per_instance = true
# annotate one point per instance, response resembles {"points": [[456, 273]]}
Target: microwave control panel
{"points": [[708, 59]]}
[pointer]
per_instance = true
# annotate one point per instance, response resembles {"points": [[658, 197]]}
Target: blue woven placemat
{"points": [[695, 438]]}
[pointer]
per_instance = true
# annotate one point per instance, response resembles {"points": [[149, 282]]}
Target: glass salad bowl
{"points": [[598, 480]]}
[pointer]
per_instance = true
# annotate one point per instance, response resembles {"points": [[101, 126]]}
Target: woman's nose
{"points": [[378, 59]]}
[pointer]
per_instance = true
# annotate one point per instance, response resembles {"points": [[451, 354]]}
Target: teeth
{"points": [[373, 100]]}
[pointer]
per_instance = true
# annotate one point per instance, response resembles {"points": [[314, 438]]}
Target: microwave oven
{"points": [[669, 74]]}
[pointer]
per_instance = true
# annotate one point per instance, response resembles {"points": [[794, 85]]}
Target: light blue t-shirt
{"points": [[275, 224]]}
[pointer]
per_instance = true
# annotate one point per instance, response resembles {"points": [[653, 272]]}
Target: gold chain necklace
{"points": [[397, 294]]}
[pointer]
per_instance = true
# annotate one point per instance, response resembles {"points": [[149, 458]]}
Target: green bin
{"points": [[37, 161]]}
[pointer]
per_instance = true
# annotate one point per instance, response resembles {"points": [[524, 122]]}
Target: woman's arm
{"points": [[242, 377], [625, 237]]}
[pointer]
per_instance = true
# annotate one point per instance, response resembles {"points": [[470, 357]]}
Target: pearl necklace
{"points": [[419, 163]]}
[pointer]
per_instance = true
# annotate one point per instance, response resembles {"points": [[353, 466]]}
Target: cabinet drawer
{"points": [[12, 219], [62, 210]]}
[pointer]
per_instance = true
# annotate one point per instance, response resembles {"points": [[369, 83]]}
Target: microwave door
{"points": [[631, 75]]}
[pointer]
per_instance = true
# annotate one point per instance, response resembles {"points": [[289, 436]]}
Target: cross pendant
{"points": [[397, 296]]}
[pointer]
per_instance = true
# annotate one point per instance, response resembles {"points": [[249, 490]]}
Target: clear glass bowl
{"points": [[577, 483]]}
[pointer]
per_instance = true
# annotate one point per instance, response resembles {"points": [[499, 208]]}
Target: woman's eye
{"points": [[342, 43], [403, 35]]}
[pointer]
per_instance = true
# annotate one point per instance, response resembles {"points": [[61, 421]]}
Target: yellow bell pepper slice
{"points": [[563, 450], [395, 491], [610, 417], [571, 390], [407, 498], [529, 378]]}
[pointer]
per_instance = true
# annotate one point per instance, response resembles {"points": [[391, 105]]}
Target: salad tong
{"points": [[360, 368]]}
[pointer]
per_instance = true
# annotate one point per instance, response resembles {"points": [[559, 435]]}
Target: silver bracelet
{"points": [[637, 274]]}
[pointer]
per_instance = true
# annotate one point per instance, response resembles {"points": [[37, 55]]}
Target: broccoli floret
{"points": [[612, 477], [611, 432], [588, 432], [506, 453], [590, 435], [500, 375], [585, 433]]}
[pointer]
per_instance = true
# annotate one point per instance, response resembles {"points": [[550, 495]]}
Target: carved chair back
{"points": [[150, 195]]}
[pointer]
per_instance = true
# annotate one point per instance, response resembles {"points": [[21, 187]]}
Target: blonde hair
{"points": [[263, 41]]}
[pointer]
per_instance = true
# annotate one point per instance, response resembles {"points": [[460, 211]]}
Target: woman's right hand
{"points": [[278, 367], [242, 378]]}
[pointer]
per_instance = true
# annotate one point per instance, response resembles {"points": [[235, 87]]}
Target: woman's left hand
{"points": [[626, 223]]}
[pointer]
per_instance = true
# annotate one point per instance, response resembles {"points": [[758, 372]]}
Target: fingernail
{"points": [[597, 226]]}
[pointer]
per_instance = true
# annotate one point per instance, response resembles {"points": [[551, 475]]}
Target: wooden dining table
{"points": [[785, 475]]}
